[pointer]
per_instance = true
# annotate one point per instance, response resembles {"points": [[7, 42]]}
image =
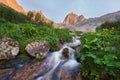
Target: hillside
{"points": [[11, 15], [13, 4]]}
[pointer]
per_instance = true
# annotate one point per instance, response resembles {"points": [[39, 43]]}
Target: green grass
{"points": [[22, 29], [26, 33]]}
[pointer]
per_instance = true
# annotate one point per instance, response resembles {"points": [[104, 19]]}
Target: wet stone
{"points": [[65, 53]]}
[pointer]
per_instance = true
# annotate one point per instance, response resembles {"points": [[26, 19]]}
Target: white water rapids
{"points": [[57, 68]]}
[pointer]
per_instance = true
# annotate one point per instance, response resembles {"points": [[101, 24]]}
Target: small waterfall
{"points": [[58, 68]]}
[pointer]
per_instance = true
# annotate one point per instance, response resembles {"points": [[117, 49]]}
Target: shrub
{"points": [[110, 26], [99, 56]]}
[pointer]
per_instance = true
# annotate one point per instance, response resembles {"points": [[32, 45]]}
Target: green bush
{"points": [[26, 33], [110, 26], [99, 56]]}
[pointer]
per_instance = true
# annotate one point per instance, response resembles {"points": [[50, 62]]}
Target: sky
{"points": [[56, 10]]}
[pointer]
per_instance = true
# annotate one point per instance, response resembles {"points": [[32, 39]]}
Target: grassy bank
{"points": [[26, 33]]}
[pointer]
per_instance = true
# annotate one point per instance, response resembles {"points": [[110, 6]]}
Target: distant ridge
{"points": [[80, 23]]}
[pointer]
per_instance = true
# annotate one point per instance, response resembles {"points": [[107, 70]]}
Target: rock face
{"points": [[70, 19], [81, 18], [73, 19], [38, 48], [13, 4], [8, 48], [44, 19]]}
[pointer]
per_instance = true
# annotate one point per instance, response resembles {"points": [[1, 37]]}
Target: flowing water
{"points": [[59, 67]]}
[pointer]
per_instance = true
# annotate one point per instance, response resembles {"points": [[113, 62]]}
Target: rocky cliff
{"points": [[44, 19], [70, 19], [39, 16], [13, 4], [73, 18]]}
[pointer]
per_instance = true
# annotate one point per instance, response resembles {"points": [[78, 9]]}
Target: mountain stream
{"points": [[62, 64]]}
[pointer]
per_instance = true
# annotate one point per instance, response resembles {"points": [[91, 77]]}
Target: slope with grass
{"points": [[26, 33], [11, 15]]}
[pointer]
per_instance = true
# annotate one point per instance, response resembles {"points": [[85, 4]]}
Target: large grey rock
{"points": [[38, 47], [8, 48]]}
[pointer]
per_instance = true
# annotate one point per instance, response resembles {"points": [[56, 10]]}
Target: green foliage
{"points": [[38, 57], [110, 26], [99, 56], [11, 15], [78, 33], [26, 33]]}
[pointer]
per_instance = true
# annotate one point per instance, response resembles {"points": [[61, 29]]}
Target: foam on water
{"points": [[57, 62]]}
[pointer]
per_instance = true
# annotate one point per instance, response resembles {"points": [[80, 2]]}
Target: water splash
{"points": [[58, 68]]}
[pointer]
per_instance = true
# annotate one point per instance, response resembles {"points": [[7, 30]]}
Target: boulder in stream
{"points": [[8, 48], [38, 47]]}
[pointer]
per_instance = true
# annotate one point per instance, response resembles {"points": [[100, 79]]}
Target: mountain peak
{"points": [[41, 13], [73, 18], [81, 18], [72, 14]]}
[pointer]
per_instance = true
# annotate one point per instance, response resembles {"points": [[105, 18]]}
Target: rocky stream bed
{"points": [[58, 65]]}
